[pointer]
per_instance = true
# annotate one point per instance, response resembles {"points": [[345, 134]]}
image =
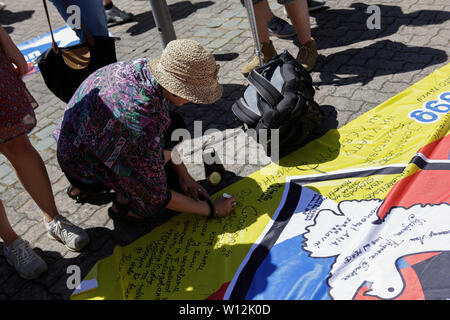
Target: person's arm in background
{"points": [[13, 53]]}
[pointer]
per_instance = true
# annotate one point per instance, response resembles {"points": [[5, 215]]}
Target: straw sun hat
{"points": [[187, 70]]}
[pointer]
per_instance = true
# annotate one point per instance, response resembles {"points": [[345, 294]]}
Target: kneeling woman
{"points": [[112, 133]]}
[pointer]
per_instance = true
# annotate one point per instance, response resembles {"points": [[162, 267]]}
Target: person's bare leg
{"points": [[263, 14], [31, 171], [299, 15], [6, 231]]}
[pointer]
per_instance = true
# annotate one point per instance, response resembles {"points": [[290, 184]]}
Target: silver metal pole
{"points": [[252, 22], [163, 21]]}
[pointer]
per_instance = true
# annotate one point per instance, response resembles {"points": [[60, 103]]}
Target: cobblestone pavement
{"points": [[357, 69]]}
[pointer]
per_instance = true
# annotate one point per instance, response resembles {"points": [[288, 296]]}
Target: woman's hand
{"points": [[224, 206], [191, 188], [13, 53], [15, 56], [188, 185]]}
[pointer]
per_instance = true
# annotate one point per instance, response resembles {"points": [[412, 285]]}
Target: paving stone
{"points": [[217, 43], [31, 211], [44, 144], [214, 23], [230, 24], [46, 132], [18, 198], [10, 179], [5, 169]]}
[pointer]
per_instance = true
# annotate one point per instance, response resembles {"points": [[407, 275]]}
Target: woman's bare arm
{"points": [[13, 53], [181, 203]]}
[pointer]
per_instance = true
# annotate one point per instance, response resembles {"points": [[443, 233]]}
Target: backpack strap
{"points": [[264, 88]]}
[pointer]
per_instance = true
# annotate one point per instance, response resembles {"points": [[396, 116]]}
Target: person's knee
{"points": [[16, 147]]}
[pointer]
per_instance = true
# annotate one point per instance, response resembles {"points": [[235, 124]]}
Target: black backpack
{"points": [[280, 95]]}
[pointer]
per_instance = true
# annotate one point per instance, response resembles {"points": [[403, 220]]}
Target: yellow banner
{"points": [[191, 257]]}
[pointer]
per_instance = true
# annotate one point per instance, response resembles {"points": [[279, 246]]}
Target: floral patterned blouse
{"points": [[112, 134]]}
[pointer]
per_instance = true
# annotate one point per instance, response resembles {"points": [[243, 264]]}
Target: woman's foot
{"points": [[115, 15], [64, 231], [307, 54], [267, 51], [27, 263], [281, 28], [314, 5], [73, 191], [129, 213], [76, 194]]}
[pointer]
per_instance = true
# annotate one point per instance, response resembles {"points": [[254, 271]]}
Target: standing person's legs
{"points": [[114, 14], [277, 26], [6, 231], [17, 251], [93, 16], [31, 172], [262, 16], [33, 175], [299, 15]]}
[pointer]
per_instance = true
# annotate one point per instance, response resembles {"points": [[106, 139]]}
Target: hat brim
{"points": [[195, 94]]}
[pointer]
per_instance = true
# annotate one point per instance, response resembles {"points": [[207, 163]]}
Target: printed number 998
{"points": [[433, 109]]}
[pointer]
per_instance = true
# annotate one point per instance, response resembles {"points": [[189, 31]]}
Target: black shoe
{"points": [[314, 5], [280, 28], [96, 198]]}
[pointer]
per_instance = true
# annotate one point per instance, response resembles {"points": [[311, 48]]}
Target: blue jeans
{"points": [[93, 16]]}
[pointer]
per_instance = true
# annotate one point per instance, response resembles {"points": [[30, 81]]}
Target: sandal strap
{"points": [[80, 197], [122, 208], [122, 214]]}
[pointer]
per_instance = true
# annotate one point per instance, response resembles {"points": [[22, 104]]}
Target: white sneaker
{"points": [[28, 264], [64, 231], [115, 15]]}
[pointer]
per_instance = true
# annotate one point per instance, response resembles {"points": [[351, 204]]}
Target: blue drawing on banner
{"points": [[33, 48]]}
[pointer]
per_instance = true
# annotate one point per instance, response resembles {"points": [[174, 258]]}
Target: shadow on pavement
{"points": [[343, 27], [362, 65], [8, 17], [226, 56], [213, 116], [177, 11]]}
